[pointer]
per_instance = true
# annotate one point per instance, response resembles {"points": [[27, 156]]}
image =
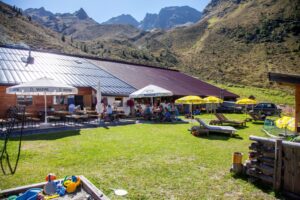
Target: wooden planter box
{"points": [[86, 185]]}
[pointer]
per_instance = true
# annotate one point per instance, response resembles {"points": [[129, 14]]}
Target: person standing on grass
{"points": [[110, 112]]}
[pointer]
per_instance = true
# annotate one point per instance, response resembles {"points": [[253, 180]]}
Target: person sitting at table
{"points": [[167, 116], [171, 107], [139, 110], [197, 111], [176, 113], [77, 108], [161, 113], [103, 111], [147, 112], [71, 108], [164, 104]]}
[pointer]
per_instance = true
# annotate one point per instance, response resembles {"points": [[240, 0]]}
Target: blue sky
{"points": [[102, 10]]}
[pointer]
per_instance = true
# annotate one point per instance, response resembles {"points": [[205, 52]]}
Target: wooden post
{"points": [[297, 106], [277, 165]]}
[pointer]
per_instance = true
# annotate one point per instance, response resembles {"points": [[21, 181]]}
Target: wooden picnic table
{"points": [[61, 112], [26, 114], [86, 112]]}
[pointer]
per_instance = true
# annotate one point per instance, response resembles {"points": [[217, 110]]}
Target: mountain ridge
{"points": [[124, 19], [167, 18]]}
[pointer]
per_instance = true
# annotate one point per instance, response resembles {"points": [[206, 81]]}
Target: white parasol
{"points": [[151, 91], [43, 86]]}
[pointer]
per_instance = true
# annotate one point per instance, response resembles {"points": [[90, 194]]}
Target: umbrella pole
{"points": [[45, 98], [192, 116]]}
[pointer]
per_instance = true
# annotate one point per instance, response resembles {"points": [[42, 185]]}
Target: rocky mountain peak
{"points": [[38, 12], [81, 14], [123, 19]]}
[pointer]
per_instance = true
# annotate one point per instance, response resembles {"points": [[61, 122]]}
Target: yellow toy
{"points": [[71, 183], [51, 197]]}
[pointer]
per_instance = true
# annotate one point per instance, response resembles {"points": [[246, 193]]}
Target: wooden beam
{"points": [[277, 166], [285, 79], [297, 106]]}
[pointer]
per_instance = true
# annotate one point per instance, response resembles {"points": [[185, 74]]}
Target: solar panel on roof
{"points": [[66, 69]]}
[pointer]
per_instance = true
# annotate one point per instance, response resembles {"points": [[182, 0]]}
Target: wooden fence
{"points": [[276, 163]]}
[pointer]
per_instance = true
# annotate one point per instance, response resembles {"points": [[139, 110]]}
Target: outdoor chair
{"points": [[256, 117], [93, 117], [84, 118], [33, 121], [75, 119], [16, 122], [2, 123], [222, 119], [54, 119], [217, 129]]}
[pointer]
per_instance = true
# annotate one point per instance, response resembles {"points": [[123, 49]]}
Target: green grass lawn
{"points": [[151, 161]]}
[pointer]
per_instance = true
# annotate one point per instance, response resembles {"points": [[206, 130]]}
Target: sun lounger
{"points": [[224, 120], [256, 117], [218, 129]]}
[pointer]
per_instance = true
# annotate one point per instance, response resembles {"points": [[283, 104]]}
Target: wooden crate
{"points": [[276, 163]]}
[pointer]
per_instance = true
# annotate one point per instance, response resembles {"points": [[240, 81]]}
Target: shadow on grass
{"points": [[219, 136], [263, 187], [48, 136], [166, 123], [258, 122], [241, 127]]}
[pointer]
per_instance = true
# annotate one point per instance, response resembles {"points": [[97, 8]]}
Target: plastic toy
{"points": [[13, 197], [60, 189], [50, 187], [51, 197], [30, 194], [50, 177], [71, 183]]}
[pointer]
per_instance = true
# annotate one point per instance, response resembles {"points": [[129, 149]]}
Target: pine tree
{"points": [[63, 38], [85, 48]]}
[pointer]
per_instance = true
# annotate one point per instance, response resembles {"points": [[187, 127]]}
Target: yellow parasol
{"points": [[246, 101], [291, 125], [286, 122], [190, 100], [212, 100]]}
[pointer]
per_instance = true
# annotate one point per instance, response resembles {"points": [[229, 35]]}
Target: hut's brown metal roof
{"points": [[129, 76], [180, 84]]}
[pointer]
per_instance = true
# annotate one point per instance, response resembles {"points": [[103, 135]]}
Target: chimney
{"points": [[30, 60]]}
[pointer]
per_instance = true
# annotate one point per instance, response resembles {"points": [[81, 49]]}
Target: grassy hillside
{"points": [[240, 41], [18, 29], [261, 94]]}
